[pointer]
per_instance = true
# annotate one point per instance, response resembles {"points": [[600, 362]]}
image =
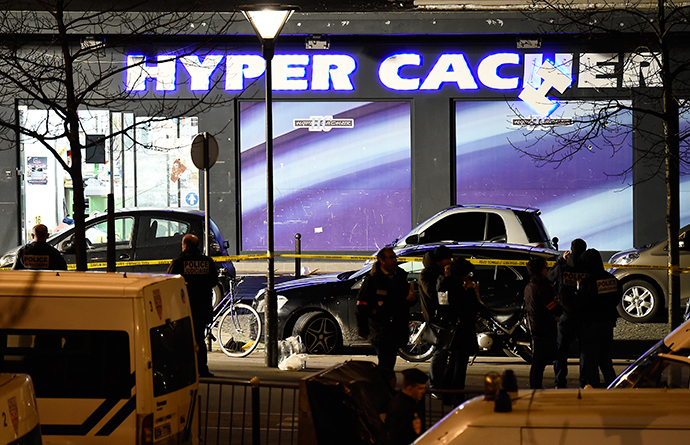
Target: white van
{"points": [[111, 355], [19, 423], [649, 403]]}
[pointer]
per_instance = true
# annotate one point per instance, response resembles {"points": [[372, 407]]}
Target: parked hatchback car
{"points": [[321, 309], [645, 291], [140, 234], [477, 223]]}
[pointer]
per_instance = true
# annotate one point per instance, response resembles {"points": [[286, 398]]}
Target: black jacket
{"points": [[460, 313], [600, 291], [405, 419], [567, 275], [541, 308], [39, 255], [201, 275], [383, 300], [427, 286]]}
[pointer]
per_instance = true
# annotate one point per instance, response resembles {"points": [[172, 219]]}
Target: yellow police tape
{"points": [[263, 256]]}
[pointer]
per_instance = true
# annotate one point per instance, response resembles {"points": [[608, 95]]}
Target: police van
{"points": [[649, 403], [111, 355], [19, 423]]}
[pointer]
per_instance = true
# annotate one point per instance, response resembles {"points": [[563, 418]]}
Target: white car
{"points": [[649, 403], [475, 223]]}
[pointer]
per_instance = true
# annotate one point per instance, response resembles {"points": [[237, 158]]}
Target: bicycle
{"points": [[238, 325]]}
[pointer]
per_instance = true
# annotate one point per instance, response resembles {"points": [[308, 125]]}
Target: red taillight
{"points": [[145, 429]]}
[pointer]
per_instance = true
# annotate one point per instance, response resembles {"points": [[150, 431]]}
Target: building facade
{"points": [[379, 120]]}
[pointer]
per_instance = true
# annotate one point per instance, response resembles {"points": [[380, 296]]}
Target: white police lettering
{"points": [[536, 98], [323, 123], [196, 268]]}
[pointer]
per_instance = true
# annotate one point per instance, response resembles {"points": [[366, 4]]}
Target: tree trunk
{"points": [[672, 150]]}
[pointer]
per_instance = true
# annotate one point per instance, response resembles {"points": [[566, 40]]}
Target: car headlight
{"points": [[8, 260], [261, 301], [625, 258]]}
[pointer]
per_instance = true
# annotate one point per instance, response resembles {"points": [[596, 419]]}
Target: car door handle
{"points": [[124, 256]]}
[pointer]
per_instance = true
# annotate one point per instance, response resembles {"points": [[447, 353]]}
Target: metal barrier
{"points": [[241, 412]]}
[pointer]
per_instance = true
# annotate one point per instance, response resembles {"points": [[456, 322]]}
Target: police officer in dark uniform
{"points": [[567, 274], [201, 275], [601, 292], [383, 307], [405, 416], [39, 254]]}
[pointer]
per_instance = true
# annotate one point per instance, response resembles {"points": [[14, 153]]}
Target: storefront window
{"points": [[147, 165], [341, 174], [586, 196]]}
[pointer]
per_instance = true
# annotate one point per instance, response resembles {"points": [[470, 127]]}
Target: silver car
{"points": [[476, 223], [645, 291]]}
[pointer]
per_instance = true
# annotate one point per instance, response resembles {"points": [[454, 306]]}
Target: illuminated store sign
{"points": [[530, 76]]}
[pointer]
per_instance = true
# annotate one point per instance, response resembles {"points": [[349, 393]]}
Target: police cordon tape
{"points": [[263, 256]]}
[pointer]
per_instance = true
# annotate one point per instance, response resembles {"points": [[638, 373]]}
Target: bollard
{"points": [[298, 251], [256, 412]]}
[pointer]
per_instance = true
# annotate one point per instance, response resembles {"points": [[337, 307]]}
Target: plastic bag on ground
{"points": [[292, 354]]}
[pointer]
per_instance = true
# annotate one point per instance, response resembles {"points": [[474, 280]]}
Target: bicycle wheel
{"points": [[239, 330]]}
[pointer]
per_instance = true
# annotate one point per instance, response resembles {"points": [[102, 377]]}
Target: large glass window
{"points": [[583, 197], [174, 359], [147, 165], [341, 174], [70, 364]]}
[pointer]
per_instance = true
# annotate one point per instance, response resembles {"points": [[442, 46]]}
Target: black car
{"points": [[321, 309], [140, 234]]}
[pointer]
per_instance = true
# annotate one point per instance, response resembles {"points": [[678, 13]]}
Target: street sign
{"points": [[199, 158]]}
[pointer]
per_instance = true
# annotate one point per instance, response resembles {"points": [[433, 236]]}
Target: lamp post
{"points": [[267, 21]]}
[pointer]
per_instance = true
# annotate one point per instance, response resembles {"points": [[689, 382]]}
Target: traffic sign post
{"points": [[204, 155]]}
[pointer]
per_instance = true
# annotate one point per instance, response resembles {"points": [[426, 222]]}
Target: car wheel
{"points": [[318, 331], [420, 351], [640, 301]]}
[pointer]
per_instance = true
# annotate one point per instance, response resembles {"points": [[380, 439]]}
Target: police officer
{"points": [[383, 307], [405, 416], [39, 254], [567, 275], [201, 275], [601, 292]]}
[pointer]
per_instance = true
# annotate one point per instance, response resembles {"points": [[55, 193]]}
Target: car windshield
{"points": [[657, 368]]}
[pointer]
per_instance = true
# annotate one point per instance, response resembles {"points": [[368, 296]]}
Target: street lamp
{"points": [[267, 21]]}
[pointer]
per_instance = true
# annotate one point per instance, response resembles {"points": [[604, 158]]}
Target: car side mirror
{"points": [[412, 239], [555, 242]]}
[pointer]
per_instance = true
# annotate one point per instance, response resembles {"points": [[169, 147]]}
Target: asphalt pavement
{"points": [[246, 368]]}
